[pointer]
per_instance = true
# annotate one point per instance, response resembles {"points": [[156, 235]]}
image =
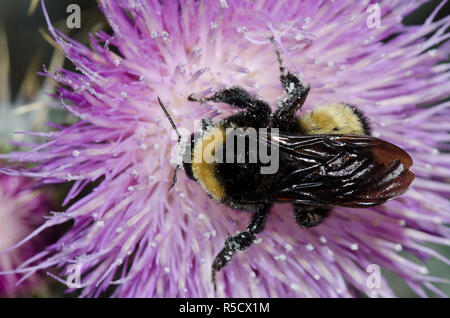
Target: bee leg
{"points": [[280, 60], [284, 116], [309, 216], [296, 93], [289, 80], [240, 241], [234, 96], [257, 112]]}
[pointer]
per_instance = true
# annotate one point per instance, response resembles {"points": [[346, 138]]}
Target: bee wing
{"points": [[343, 170]]}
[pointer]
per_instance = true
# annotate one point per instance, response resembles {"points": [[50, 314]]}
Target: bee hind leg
{"points": [[240, 241], [309, 216]]}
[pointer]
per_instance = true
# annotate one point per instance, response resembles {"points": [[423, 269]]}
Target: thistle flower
{"points": [[22, 211], [130, 232]]}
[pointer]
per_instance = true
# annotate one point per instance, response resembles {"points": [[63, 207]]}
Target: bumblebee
{"points": [[326, 158]]}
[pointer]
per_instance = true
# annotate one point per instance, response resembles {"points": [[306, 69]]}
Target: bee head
{"points": [[187, 155]]}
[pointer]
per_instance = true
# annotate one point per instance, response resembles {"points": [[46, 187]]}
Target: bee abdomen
{"points": [[339, 118]]}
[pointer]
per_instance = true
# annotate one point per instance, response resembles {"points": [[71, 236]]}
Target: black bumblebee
{"points": [[326, 158]]}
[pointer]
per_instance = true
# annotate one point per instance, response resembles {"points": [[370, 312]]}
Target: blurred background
{"points": [[25, 46]]}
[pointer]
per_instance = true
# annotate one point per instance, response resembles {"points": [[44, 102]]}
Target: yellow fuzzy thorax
{"points": [[332, 119], [203, 164]]}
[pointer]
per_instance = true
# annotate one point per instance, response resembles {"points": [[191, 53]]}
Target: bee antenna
{"points": [[169, 118], [174, 180]]}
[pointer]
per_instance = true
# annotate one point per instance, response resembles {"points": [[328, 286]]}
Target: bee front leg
{"points": [[257, 112], [234, 96], [309, 216], [240, 241]]}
